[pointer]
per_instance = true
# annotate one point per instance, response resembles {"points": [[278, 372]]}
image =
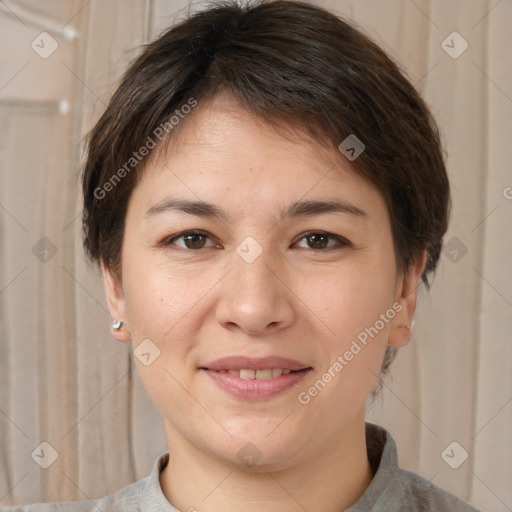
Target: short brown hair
{"points": [[285, 61]]}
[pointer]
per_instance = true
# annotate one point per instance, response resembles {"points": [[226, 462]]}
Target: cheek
{"points": [[352, 299], [155, 295], [356, 308], [159, 305], [164, 306]]}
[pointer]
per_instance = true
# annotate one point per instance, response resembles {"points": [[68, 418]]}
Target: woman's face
{"points": [[317, 287]]}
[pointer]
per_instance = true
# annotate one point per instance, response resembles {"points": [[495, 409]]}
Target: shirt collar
{"points": [[383, 457], [152, 497]]}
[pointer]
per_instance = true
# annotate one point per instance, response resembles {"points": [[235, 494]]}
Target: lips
{"points": [[256, 379]]}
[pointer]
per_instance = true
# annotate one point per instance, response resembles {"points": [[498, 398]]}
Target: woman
{"points": [[264, 194]]}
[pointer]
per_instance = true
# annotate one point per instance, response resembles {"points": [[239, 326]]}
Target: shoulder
{"points": [[423, 496], [399, 490], [143, 495], [125, 499]]}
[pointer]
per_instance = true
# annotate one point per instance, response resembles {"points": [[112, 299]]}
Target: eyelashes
{"points": [[193, 241], [341, 241], [186, 235]]}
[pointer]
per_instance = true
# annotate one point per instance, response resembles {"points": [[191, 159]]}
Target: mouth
{"points": [[255, 379], [266, 374]]}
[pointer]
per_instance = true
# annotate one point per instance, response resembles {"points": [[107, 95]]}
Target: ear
{"points": [[406, 295], [116, 303]]}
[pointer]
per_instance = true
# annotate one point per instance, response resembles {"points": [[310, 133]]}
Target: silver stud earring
{"points": [[116, 325]]}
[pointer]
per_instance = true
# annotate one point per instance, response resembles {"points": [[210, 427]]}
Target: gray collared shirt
{"points": [[391, 490]]}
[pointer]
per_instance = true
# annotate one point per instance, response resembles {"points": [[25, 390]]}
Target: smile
{"points": [[249, 384], [269, 373]]}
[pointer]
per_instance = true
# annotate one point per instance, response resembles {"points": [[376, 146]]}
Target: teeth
{"points": [[264, 374], [268, 373], [247, 374]]}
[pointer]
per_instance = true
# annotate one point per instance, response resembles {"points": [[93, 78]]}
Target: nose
{"points": [[256, 297]]}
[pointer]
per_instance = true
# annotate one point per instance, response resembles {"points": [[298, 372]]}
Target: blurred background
{"points": [[64, 381]]}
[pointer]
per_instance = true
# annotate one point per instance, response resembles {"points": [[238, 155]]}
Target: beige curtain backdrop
{"points": [[66, 382]]}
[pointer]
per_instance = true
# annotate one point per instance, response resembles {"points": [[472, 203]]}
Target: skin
{"points": [[199, 304]]}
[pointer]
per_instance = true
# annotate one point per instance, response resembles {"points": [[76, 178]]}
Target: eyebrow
{"points": [[296, 209]]}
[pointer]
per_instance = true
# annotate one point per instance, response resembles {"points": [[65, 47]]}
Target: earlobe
{"points": [[407, 293], [116, 305]]}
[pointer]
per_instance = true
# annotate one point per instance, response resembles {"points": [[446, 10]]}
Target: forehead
{"points": [[222, 153], [222, 125]]}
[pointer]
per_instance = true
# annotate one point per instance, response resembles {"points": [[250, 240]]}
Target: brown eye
{"points": [[318, 241], [193, 240]]}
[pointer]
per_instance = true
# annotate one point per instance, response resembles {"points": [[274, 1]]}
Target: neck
{"points": [[331, 481]]}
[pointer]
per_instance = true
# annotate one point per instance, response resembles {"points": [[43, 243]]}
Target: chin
{"points": [[253, 460], [258, 452]]}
